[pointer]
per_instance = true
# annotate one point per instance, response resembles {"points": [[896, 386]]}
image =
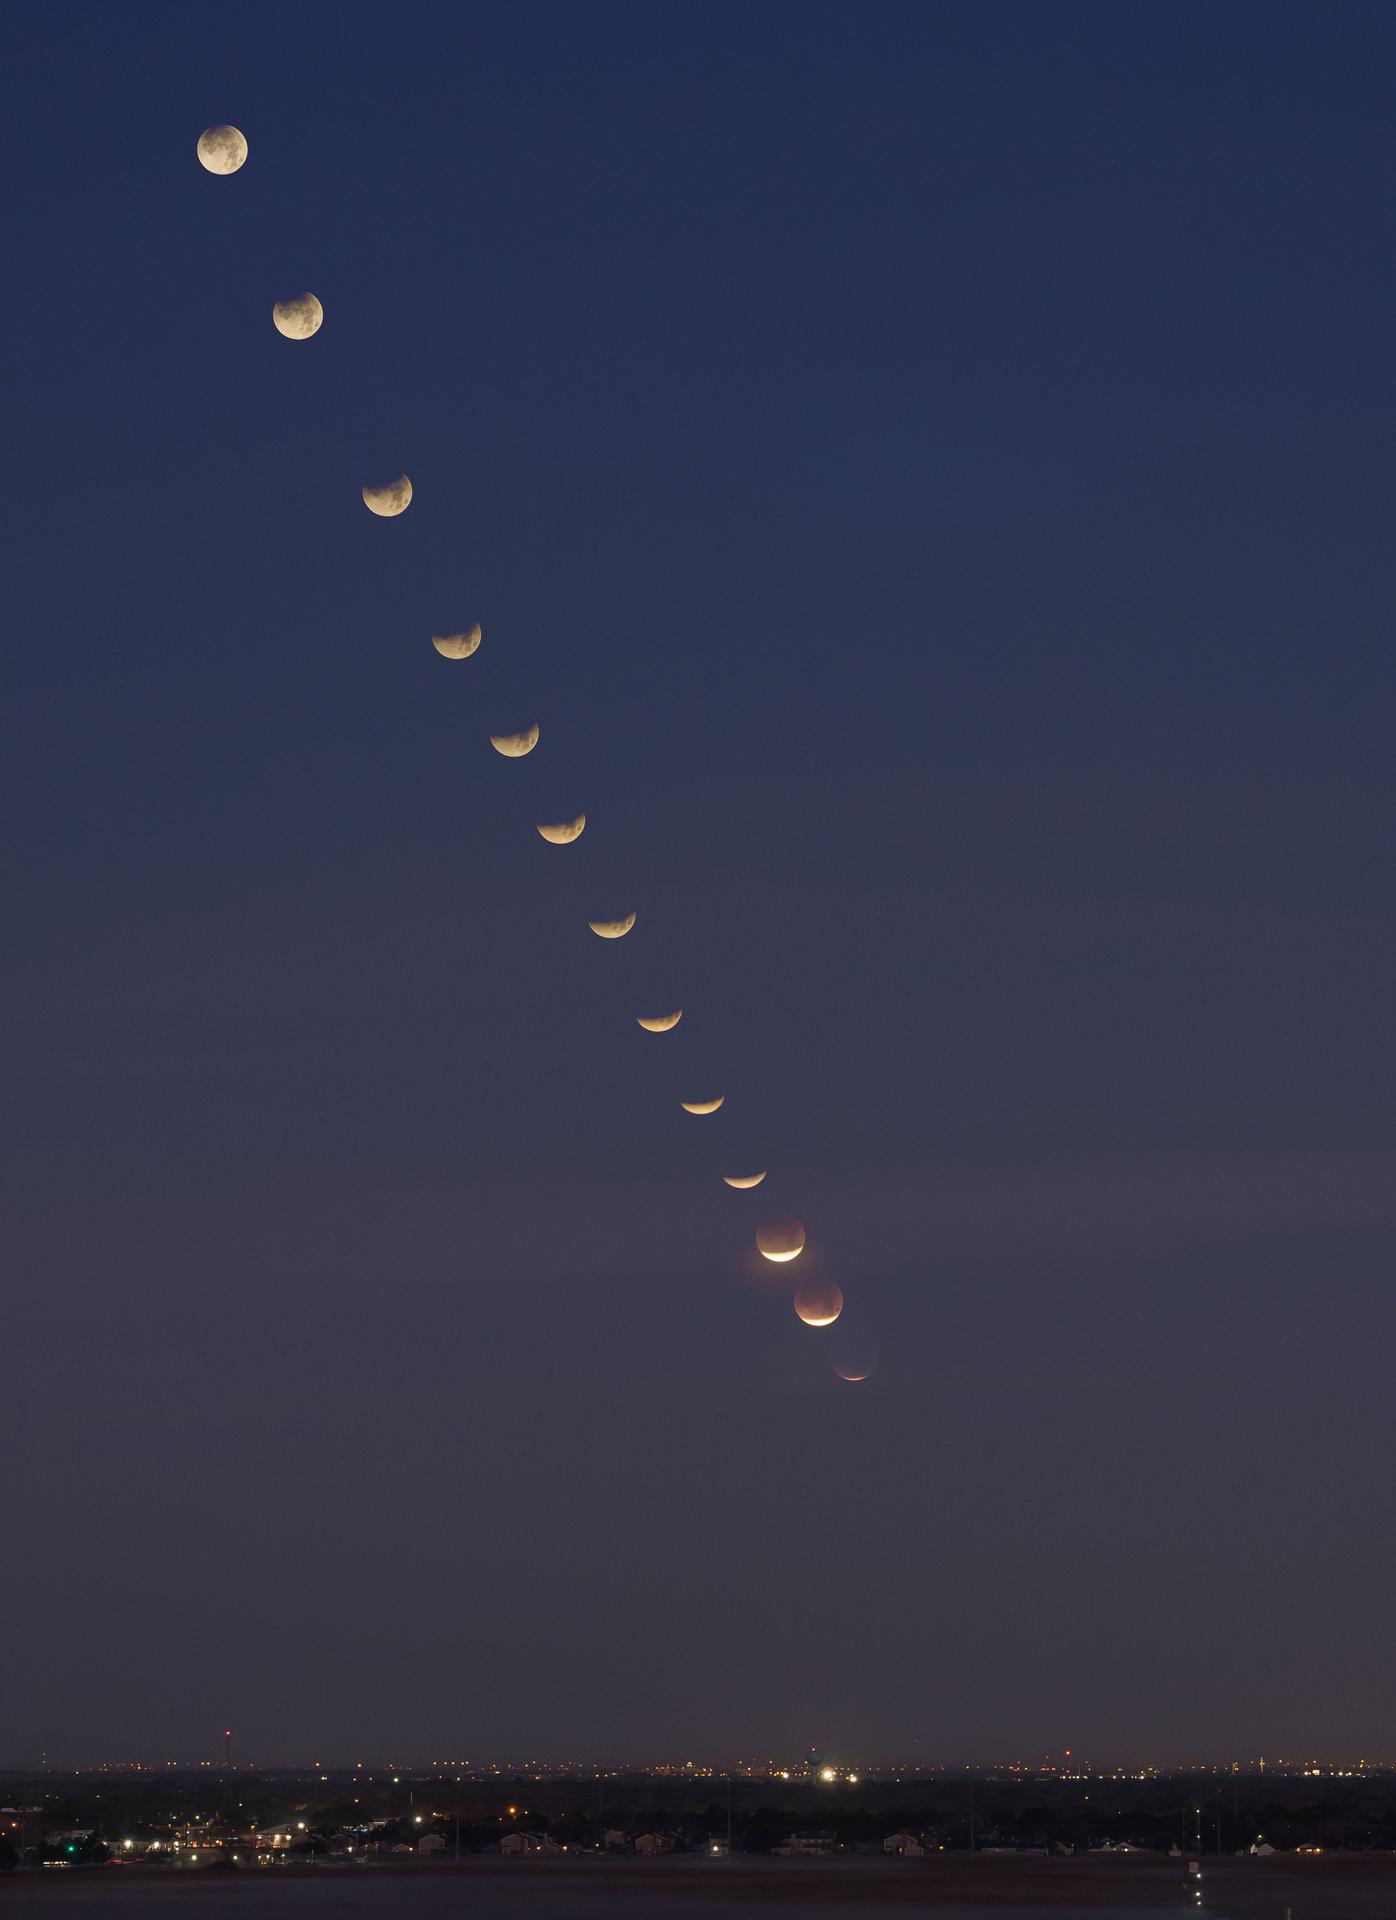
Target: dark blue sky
{"points": [[928, 469]]}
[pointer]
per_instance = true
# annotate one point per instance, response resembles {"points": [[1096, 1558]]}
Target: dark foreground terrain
{"points": [[1351, 1888]]}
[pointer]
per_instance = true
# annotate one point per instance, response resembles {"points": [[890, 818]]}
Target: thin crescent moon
{"points": [[391, 500], [298, 319], [703, 1106], [221, 149], [515, 745], [564, 831], [743, 1180], [659, 1022], [457, 646], [612, 929]]}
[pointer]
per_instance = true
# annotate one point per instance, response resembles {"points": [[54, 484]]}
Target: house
{"points": [[517, 1844], [654, 1843], [430, 1843], [806, 1845], [909, 1845]]}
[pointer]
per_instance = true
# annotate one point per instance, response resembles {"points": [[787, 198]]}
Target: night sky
{"points": [[929, 471]]}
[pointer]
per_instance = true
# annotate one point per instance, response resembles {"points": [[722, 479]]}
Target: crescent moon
{"points": [[743, 1180], [564, 831], [221, 149], [612, 929], [515, 745], [298, 319], [389, 501], [781, 1241], [457, 646], [703, 1106], [819, 1303], [856, 1359], [659, 1022]]}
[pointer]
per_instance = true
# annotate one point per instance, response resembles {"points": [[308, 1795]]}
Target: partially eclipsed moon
{"points": [[659, 1022], [744, 1180], [703, 1106], [221, 149], [389, 501], [819, 1303], [612, 929], [564, 830], [456, 646], [855, 1357], [299, 318], [780, 1241], [515, 745]]}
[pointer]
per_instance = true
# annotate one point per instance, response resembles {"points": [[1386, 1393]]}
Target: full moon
{"points": [[659, 1022], [457, 646], [780, 1241], [221, 149], [389, 501], [744, 1180], [515, 745], [612, 929], [703, 1106], [819, 1303], [299, 318], [564, 831]]}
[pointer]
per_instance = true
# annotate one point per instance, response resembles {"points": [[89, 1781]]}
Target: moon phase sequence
{"points": [[221, 149], [515, 745], [563, 832], [298, 319], [457, 646], [818, 1302], [390, 500]]}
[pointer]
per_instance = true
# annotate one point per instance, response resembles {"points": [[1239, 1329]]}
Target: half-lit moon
{"points": [[515, 745], [855, 1356], [297, 319], [564, 830], [781, 1240], [221, 149], [389, 501], [457, 646], [703, 1106], [659, 1022], [819, 1303], [612, 929], [744, 1180]]}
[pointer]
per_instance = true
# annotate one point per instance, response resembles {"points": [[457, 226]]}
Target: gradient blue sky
{"points": [[928, 469]]}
